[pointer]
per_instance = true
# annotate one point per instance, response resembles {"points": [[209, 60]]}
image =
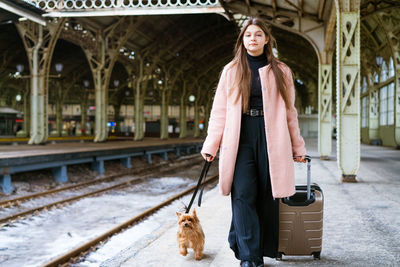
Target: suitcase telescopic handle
{"points": [[308, 160]]}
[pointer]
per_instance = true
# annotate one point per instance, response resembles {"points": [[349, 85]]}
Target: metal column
{"points": [[325, 110], [348, 89], [39, 43], [37, 94]]}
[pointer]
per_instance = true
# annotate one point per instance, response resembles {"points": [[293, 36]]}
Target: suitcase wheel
{"points": [[317, 255], [279, 257]]}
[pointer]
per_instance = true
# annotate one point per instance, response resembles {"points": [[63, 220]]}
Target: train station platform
{"points": [[361, 224], [20, 151], [22, 158]]}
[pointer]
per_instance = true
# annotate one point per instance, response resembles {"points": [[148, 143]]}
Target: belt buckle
{"points": [[253, 112]]}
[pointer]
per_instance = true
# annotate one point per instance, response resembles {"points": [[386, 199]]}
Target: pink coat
{"points": [[281, 127]]}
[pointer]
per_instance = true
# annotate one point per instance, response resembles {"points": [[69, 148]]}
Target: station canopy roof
{"points": [[202, 43]]}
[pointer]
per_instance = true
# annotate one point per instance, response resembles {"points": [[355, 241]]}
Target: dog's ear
{"points": [[194, 213], [178, 214]]}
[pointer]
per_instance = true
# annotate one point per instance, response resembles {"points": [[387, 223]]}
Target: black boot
{"points": [[247, 264], [259, 262]]}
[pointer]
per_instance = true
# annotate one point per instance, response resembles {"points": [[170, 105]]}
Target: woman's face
{"points": [[254, 40]]}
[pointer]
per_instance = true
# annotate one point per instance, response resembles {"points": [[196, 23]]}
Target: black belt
{"points": [[254, 112]]}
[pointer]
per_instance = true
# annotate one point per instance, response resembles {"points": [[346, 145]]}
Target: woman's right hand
{"points": [[208, 157]]}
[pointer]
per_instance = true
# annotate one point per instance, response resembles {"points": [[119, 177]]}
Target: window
{"points": [[383, 106], [384, 72], [386, 105], [376, 76], [391, 67], [364, 112], [364, 85], [390, 101]]}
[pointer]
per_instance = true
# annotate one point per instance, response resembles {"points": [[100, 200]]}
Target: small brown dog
{"points": [[190, 234]]}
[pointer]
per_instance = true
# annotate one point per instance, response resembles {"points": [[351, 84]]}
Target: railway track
{"points": [[146, 172], [76, 254]]}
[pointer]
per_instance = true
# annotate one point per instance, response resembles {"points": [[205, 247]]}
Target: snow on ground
{"points": [[36, 202], [138, 235], [34, 241]]}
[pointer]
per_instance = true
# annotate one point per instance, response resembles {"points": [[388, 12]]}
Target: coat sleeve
{"points": [[216, 123], [298, 145]]}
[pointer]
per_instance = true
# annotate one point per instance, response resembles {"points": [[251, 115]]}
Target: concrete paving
{"points": [[361, 220]]}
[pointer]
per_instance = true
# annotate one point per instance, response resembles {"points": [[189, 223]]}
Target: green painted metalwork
{"points": [[39, 44], [348, 88], [325, 110], [389, 22], [101, 56], [90, 8]]}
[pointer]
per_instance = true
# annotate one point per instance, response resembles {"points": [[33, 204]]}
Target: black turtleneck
{"points": [[256, 62]]}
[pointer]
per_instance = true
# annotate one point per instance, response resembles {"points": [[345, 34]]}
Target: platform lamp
{"points": [[116, 83], [84, 109], [18, 75], [59, 87], [59, 67], [192, 98], [86, 83], [20, 68]]}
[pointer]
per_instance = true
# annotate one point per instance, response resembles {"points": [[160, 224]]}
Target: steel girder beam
{"points": [[177, 45], [307, 25], [95, 8], [321, 7], [200, 61], [199, 93], [138, 52], [348, 88], [102, 63], [21, 9], [101, 49], [370, 8]]}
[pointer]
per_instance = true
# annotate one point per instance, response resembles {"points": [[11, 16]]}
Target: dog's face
{"points": [[187, 221]]}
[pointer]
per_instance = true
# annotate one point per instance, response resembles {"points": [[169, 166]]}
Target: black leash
{"points": [[202, 177]]}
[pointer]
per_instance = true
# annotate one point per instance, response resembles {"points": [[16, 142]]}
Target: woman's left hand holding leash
{"points": [[299, 158]]}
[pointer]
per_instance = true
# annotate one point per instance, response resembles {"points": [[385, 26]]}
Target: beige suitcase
{"points": [[300, 220]]}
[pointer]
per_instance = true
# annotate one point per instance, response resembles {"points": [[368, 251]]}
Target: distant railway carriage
{"points": [[10, 121]]}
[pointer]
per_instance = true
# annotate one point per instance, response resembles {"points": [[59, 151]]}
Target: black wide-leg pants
{"points": [[255, 216]]}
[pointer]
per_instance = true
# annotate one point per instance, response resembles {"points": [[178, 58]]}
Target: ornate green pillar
{"points": [[39, 43], [325, 110], [348, 88], [373, 111]]}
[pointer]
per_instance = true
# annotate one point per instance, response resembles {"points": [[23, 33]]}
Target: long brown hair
{"points": [[243, 73]]}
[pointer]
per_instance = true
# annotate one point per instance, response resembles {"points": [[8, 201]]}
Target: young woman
{"points": [[254, 120]]}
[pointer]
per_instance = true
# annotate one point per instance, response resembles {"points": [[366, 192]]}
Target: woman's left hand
{"points": [[299, 158]]}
